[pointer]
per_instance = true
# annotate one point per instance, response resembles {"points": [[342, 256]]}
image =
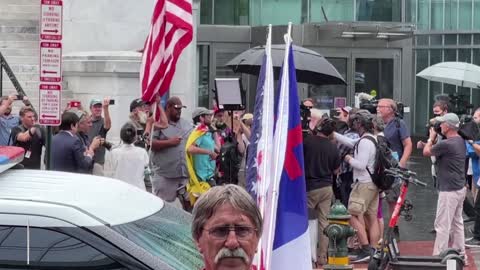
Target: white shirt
{"points": [[364, 156], [127, 163]]}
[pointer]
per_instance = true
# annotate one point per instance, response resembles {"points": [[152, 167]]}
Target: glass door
{"points": [[377, 74]]}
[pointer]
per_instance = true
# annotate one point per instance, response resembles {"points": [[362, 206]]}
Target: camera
{"points": [[371, 106], [107, 145], [305, 116]]}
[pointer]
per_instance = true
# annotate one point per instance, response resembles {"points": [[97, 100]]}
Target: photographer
{"points": [[322, 162], [168, 152], [30, 137], [7, 120], [475, 240], [450, 154], [84, 126], [99, 127]]}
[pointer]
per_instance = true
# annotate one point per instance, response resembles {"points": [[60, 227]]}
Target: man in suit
{"points": [[68, 152]]}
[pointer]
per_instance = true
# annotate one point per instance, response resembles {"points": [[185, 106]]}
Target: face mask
{"points": [[142, 117], [436, 115]]}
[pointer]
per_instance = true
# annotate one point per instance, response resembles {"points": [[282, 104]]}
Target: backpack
{"points": [[229, 162], [383, 160]]}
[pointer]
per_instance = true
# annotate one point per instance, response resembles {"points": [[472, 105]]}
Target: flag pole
{"points": [[278, 164]]}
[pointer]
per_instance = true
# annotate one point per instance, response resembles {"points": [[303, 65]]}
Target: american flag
{"points": [[171, 31]]}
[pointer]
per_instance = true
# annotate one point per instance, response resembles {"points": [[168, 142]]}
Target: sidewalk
{"points": [[425, 248]]}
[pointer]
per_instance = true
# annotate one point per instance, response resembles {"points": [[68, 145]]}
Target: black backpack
{"points": [[229, 164], [383, 160]]}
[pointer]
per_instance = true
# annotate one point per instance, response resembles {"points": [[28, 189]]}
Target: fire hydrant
{"points": [[338, 232]]}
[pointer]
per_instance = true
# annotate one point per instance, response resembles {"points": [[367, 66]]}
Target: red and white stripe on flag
{"points": [[171, 31]]}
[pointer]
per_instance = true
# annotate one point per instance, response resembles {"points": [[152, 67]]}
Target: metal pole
{"points": [[48, 164], [1, 79]]}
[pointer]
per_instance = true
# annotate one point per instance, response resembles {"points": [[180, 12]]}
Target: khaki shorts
{"points": [[363, 199]]}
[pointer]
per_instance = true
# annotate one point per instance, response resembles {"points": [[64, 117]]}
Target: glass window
{"points": [[451, 7], [379, 10], [476, 39], [465, 55], [465, 39], [449, 55], [165, 234], [437, 15], [410, 11], [324, 95], [465, 10], [423, 14], [203, 76], [449, 89], [232, 12], [464, 94], [422, 40], [49, 247], [278, 12], [451, 39], [436, 40], [339, 10], [421, 111], [222, 59], [476, 17], [206, 12], [476, 57], [476, 98], [435, 56], [421, 92]]}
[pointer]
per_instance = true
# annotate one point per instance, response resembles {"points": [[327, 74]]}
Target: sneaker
{"points": [[362, 256], [472, 243]]}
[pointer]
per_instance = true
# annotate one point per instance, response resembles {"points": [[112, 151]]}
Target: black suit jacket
{"points": [[68, 154]]}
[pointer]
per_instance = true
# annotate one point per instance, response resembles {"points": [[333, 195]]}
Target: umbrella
{"points": [[456, 73], [311, 67]]}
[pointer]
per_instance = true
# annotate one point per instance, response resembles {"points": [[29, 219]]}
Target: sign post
{"points": [[50, 88]]}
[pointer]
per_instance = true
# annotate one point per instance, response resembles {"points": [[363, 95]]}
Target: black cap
{"points": [[136, 103]]}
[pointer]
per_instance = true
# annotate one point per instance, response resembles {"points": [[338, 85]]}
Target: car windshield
{"points": [[167, 235]]}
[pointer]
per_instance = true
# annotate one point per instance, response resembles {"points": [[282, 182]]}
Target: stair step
{"points": [[17, 23], [19, 52], [16, 8], [20, 37], [19, 15], [19, 29], [12, 44], [19, 2]]}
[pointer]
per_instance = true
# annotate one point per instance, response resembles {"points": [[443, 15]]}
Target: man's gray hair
{"points": [[217, 196]]}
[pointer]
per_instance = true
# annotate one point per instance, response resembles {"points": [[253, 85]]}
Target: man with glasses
{"points": [[398, 138], [226, 227], [168, 152]]}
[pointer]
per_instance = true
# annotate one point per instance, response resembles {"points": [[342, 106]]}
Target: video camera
{"points": [[305, 116], [371, 106]]}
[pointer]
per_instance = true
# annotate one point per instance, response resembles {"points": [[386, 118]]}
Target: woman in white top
{"points": [[127, 162]]}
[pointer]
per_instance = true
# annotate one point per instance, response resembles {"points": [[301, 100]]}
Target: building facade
{"points": [[375, 44]]}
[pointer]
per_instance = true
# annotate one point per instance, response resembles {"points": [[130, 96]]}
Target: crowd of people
{"points": [[340, 152]]}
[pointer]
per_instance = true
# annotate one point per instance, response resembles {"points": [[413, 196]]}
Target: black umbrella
{"points": [[311, 67]]}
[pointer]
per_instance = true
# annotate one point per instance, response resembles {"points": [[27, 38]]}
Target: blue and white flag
{"points": [[291, 246]]}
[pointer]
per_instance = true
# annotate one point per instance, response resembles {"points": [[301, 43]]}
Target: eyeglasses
{"points": [[241, 232]]}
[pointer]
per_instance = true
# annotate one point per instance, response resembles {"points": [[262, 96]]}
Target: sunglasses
{"points": [[179, 107]]}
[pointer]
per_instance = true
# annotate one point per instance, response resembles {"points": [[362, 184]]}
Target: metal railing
{"points": [[4, 66]]}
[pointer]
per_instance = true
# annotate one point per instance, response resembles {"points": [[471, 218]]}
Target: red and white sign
{"points": [[50, 61], [50, 100], [51, 20]]}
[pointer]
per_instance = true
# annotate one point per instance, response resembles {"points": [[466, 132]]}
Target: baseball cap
{"points": [[95, 101], [449, 118], [201, 111], [247, 116], [136, 103]]}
